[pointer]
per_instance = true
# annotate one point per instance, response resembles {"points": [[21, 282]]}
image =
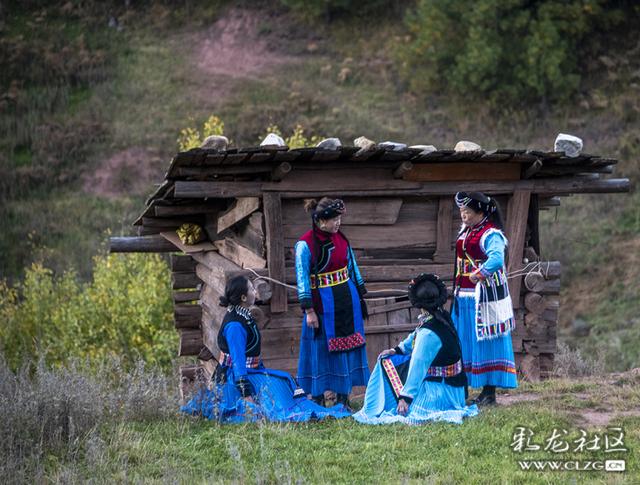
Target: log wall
{"points": [[395, 238]]}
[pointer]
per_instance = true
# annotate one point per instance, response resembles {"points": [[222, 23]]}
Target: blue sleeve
{"points": [[493, 246], [236, 337], [425, 349], [354, 272], [303, 274], [406, 346]]}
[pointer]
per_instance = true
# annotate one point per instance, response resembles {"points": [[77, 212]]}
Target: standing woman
{"points": [[330, 290], [482, 308]]}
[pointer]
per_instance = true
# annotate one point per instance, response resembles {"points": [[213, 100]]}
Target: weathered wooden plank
{"points": [[184, 280], [187, 248], [444, 229], [373, 179], [211, 278], [242, 208], [144, 244], [379, 211], [201, 190], [210, 297], [517, 214], [149, 231], [182, 263], [404, 328], [400, 235], [190, 342], [389, 307], [185, 296], [187, 316], [250, 233], [465, 171], [275, 249], [240, 255]]}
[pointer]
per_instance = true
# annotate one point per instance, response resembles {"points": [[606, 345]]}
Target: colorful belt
{"points": [[252, 362], [332, 278], [466, 267], [445, 371]]}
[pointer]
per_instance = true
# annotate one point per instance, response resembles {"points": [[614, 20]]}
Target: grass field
{"points": [[176, 449]]}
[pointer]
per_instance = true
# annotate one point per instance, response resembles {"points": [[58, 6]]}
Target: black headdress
{"points": [[335, 209], [476, 201]]}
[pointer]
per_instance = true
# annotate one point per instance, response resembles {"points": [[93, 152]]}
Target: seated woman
{"points": [[422, 378], [243, 389]]}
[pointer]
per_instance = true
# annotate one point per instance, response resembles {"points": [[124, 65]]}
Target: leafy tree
{"points": [[511, 51]]}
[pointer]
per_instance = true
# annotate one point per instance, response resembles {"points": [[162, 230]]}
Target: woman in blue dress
{"points": [[421, 379], [330, 291], [243, 389], [482, 309]]}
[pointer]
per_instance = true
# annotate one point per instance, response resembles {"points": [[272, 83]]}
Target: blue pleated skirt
{"points": [[436, 401], [486, 362], [320, 370], [274, 401]]}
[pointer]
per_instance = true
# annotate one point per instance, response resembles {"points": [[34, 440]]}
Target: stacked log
{"points": [[534, 339]]}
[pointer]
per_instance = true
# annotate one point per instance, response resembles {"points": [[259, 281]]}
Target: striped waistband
{"points": [[445, 371], [332, 278], [252, 362]]}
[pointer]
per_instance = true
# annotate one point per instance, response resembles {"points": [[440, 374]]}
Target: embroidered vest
{"points": [[329, 250], [447, 364], [470, 256], [242, 315]]}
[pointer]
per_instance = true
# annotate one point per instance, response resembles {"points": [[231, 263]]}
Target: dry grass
{"points": [[58, 412]]}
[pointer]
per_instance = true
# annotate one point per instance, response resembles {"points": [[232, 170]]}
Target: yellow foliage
{"points": [[124, 310], [190, 137]]}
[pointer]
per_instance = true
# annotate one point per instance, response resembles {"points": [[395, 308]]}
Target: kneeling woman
{"points": [[422, 378], [243, 389]]}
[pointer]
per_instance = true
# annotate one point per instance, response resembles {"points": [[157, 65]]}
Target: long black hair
{"points": [[234, 290]]}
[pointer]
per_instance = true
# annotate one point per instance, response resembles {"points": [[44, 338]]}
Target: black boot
{"points": [[487, 397], [319, 400]]}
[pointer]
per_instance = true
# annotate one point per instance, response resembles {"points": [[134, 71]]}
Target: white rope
{"points": [[535, 268], [272, 279], [278, 282]]}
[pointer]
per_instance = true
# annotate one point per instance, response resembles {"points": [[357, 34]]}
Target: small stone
{"points": [[425, 149], [273, 140], [215, 142], [467, 146], [330, 144], [364, 143], [393, 145], [569, 144]]}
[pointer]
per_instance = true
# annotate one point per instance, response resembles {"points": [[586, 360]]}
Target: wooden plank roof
{"points": [[206, 174]]}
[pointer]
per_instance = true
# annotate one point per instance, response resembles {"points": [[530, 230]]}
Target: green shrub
{"points": [[125, 311], [511, 51]]}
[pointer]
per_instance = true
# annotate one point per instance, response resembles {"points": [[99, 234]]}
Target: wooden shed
{"points": [[401, 220]]}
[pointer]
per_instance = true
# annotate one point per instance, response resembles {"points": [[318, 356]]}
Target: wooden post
{"points": [[275, 249], [517, 216], [443, 230]]}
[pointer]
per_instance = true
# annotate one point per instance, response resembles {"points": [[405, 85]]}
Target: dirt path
{"points": [[238, 45]]}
